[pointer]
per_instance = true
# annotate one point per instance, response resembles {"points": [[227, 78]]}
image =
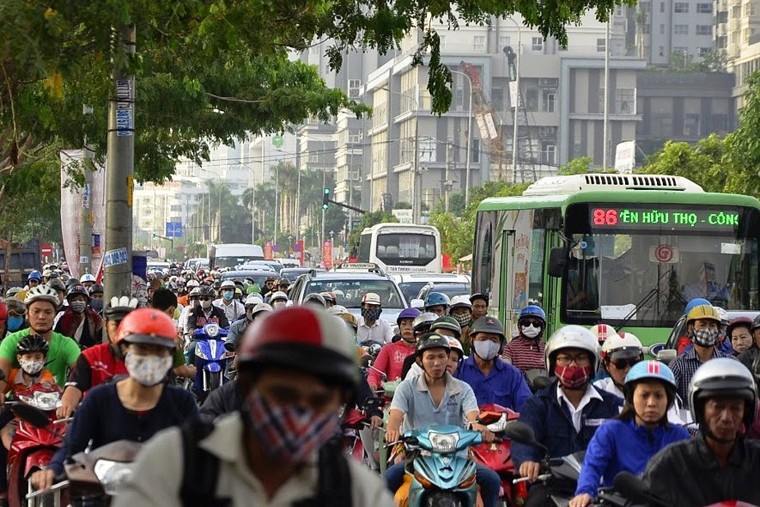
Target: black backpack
{"points": [[201, 472]]}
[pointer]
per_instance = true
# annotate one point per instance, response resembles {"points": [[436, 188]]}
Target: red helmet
{"points": [[303, 338], [149, 326], [3, 312]]}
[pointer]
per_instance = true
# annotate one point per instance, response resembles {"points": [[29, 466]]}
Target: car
{"points": [[293, 273], [679, 329], [412, 283], [197, 263], [265, 265], [259, 275], [450, 289], [350, 285]]}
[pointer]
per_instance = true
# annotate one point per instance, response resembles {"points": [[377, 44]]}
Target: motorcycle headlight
{"points": [[113, 475], [199, 353], [444, 442], [211, 330]]}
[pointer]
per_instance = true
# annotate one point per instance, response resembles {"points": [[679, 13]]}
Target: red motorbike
{"points": [[38, 436], [498, 455], [352, 443]]}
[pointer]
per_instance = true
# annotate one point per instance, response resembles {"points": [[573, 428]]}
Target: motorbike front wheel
{"points": [[444, 499]]}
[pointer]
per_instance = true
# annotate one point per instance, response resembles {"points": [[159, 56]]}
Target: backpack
{"points": [[201, 472]]}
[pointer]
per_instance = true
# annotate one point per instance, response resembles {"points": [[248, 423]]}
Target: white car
{"points": [[411, 283]]}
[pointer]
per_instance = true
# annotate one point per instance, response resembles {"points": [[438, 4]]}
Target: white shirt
{"points": [[577, 412], [232, 311], [381, 332]]}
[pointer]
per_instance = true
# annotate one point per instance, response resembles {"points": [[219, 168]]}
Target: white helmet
{"points": [[253, 300], [456, 344], [603, 332], [261, 307], [278, 295], [227, 284], [572, 337], [461, 301], [623, 345], [723, 314], [88, 277], [192, 283], [42, 293], [337, 310]]}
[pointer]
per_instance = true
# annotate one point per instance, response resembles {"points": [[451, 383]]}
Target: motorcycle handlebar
{"points": [[54, 487], [542, 477]]}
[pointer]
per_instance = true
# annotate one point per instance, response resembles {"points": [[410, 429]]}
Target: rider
{"points": [[435, 397], [391, 358], [78, 321], [638, 433], [719, 463], [479, 305], [421, 325], [88, 280], [34, 279], [134, 408], [492, 380], [268, 287], [278, 299], [371, 326], [461, 310], [253, 308], [295, 364], [205, 312], [233, 309], [619, 354], [565, 415], [526, 350], [685, 340], [16, 317], [438, 303], [96, 298]]}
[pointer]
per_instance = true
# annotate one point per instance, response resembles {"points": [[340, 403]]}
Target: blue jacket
{"points": [[504, 385], [553, 424], [622, 445]]}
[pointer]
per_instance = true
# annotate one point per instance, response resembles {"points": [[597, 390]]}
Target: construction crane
{"points": [[525, 158]]}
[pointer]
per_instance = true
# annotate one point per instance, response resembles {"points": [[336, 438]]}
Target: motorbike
{"points": [[497, 455], [210, 359], [38, 436], [435, 474]]}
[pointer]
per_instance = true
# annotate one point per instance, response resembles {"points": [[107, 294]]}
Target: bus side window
{"points": [[483, 260]]}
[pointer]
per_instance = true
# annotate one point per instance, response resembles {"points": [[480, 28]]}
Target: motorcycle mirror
{"points": [[229, 347], [521, 433], [30, 414], [633, 488]]}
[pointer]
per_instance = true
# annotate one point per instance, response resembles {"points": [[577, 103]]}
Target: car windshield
{"points": [[411, 289], [258, 276], [350, 292], [450, 289]]}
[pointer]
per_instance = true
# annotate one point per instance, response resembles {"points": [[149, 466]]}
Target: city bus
{"points": [[625, 249], [402, 248], [231, 255]]}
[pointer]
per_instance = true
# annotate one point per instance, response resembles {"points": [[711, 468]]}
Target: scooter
{"points": [[210, 359], [38, 436], [497, 455]]}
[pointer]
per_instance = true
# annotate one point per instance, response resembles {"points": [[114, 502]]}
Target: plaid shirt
{"points": [[683, 369]]}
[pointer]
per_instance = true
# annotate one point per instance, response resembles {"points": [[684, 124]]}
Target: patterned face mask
{"points": [[147, 370], [31, 367], [371, 313], [705, 337], [572, 377], [463, 319]]}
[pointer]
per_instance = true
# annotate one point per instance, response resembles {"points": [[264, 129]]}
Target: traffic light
{"points": [[326, 198]]}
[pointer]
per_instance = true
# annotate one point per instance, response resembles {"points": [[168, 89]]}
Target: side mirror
{"points": [[520, 432], [666, 355], [557, 261]]}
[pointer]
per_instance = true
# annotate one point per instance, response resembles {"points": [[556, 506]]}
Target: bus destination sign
{"points": [[694, 219]]}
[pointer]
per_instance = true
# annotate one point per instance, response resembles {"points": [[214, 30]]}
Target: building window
{"points": [[531, 99], [681, 29], [704, 30], [601, 45], [443, 42], [497, 98], [459, 99], [548, 153], [691, 125], [681, 8], [625, 101], [662, 6], [538, 44], [662, 29], [704, 8], [504, 41], [475, 151], [549, 99], [479, 43], [644, 6], [662, 51], [353, 87], [719, 123]]}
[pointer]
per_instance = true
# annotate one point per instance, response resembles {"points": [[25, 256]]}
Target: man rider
{"points": [[435, 397], [619, 354], [253, 308], [564, 415], [719, 464], [390, 360], [78, 321], [492, 380], [205, 312], [526, 350], [461, 310], [233, 309], [479, 306], [371, 326], [438, 303], [296, 364]]}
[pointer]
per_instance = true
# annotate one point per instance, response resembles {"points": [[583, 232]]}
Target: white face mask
{"points": [[206, 304], [530, 331], [31, 367], [486, 349], [147, 370]]}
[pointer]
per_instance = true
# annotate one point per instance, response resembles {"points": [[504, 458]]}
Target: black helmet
{"points": [[32, 343], [432, 341], [77, 290], [488, 324], [449, 323], [205, 290], [97, 288], [477, 296], [271, 278], [755, 323], [283, 281], [57, 285]]}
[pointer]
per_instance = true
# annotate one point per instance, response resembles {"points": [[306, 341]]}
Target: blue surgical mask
{"points": [[228, 295], [15, 323]]}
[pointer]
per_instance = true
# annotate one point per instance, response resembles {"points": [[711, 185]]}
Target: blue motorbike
{"points": [[210, 358], [439, 476]]}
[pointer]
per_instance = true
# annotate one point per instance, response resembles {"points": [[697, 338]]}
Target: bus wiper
{"points": [[647, 297]]}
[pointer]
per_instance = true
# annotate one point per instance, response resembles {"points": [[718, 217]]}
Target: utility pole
{"points": [[606, 119], [85, 231], [446, 174], [120, 168]]}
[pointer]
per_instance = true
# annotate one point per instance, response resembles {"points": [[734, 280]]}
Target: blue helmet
{"points": [[695, 302], [436, 299], [532, 311], [407, 313], [35, 275], [650, 370]]}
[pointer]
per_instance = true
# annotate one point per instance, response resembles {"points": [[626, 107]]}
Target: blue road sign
{"points": [[173, 229]]}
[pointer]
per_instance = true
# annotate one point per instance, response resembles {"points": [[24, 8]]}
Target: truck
{"points": [[230, 255], [23, 260]]}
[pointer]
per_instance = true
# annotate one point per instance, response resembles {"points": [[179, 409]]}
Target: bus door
{"points": [[504, 284], [552, 295]]}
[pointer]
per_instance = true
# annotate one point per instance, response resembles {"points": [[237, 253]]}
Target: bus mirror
{"points": [[557, 261]]}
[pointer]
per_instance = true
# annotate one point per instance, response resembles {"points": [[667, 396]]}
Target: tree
{"points": [[219, 203], [742, 146], [580, 165], [701, 163]]}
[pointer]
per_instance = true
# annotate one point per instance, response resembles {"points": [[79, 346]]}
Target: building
{"points": [[737, 24]]}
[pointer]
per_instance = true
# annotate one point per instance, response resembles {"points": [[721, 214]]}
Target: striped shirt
{"points": [[525, 354], [683, 369]]}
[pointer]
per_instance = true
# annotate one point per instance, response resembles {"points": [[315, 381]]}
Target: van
{"points": [[230, 255]]}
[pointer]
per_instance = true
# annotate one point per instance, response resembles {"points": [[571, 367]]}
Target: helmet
{"points": [[283, 281], [97, 288], [603, 332], [424, 320], [703, 312], [271, 278], [278, 295], [650, 370], [571, 337], [261, 307], [329, 296], [723, 314], [417, 303], [120, 307], [32, 343], [461, 302], [337, 310], [195, 292], [302, 338], [217, 285], [148, 326], [253, 300], [349, 320], [436, 299], [77, 290], [370, 298], [456, 345], [449, 323], [432, 341], [192, 283], [532, 311], [205, 291], [739, 322], [88, 277], [722, 377], [619, 346], [227, 284], [488, 324], [755, 323], [12, 291], [477, 296], [316, 299], [408, 313], [42, 293], [35, 275], [694, 302], [16, 306], [57, 285]]}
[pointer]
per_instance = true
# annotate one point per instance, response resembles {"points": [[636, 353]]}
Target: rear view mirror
{"points": [[666, 355], [557, 261]]}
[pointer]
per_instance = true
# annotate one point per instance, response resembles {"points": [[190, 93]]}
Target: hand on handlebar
{"points": [[376, 421], [530, 469], [65, 410], [42, 479], [581, 500], [391, 436]]}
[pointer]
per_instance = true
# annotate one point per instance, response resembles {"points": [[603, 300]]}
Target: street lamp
{"points": [[469, 140]]}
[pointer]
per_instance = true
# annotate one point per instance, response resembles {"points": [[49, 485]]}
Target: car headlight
{"points": [[444, 442], [199, 353], [113, 475]]}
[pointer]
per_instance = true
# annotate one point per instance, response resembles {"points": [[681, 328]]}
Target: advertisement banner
{"points": [[268, 250], [327, 255]]}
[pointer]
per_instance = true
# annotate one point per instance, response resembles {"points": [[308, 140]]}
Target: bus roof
{"points": [[596, 181], [400, 228]]}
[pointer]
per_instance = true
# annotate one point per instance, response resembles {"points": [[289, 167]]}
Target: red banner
{"points": [[268, 250], [327, 255], [299, 249]]}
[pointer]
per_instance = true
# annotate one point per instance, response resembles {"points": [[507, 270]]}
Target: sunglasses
{"points": [[621, 364], [204, 299], [531, 322]]}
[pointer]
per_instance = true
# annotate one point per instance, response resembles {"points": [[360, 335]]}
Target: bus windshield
{"points": [[627, 268], [406, 249]]}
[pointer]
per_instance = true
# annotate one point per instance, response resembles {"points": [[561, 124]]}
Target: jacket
{"points": [[505, 385], [687, 474], [622, 445], [553, 425], [221, 401], [390, 360], [92, 330], [747, 358], [197, 318]]}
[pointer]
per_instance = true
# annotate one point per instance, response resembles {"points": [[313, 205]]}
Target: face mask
{"points": [[464, 319], [530, 331], [78, 306], [96, 304], [705, 337], [289, 433], [486, 349], [15, 323], [279, 304], [206, 304], [371, 313], [572, 377], [228, 296], [147, 370], [31, 367]]}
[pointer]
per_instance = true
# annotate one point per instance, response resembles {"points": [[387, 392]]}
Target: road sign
{"points": [[173, 229], [46, 250]]}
